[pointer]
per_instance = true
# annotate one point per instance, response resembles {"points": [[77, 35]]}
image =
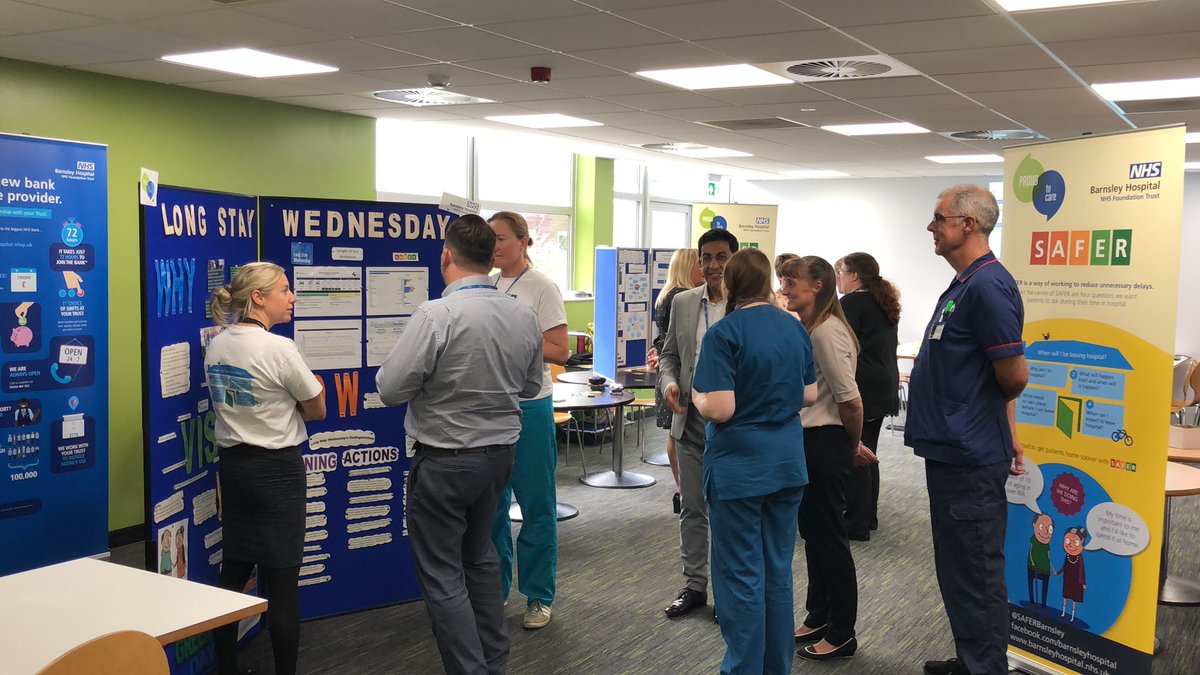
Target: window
{"points": [[675, 182], [521, 170], [627, 216], [551, 249], [419, 160], [670, 225]]}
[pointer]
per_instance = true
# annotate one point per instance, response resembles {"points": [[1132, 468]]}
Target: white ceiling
{"points": [[980, 67]]}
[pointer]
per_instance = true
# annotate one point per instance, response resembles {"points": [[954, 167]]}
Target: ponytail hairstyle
{"points": [[233, 303], [520, 228], [747, 279], [679, 273], [885, 293], [814, 269]]}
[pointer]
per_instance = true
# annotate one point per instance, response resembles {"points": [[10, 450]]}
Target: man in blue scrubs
{"points": [[961, 419]]}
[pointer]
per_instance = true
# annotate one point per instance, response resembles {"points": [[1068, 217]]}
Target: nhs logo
{"points": [[1145, 170], [762, 221], [85, 166]]}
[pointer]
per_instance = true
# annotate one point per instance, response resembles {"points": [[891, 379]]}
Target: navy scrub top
{"points": [[764, 356], [957, 414]]}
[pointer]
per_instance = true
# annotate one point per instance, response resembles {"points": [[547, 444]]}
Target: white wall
{"points": [[886, 217]]}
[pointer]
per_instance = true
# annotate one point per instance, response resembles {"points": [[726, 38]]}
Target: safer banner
{"points": [[359, 270], [1092, 231], [192, 244], [54, 341], [754, 225]]}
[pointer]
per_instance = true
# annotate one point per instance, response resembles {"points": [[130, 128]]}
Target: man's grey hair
{"points": [[975, 201]]}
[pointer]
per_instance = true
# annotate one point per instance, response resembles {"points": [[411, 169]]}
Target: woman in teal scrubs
{"points": [[754, 374]]}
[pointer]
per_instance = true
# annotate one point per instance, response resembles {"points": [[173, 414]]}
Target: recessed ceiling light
{"points": [[715, 77], [1024, 5], [1193, 137], [965, 159], [548, 121], [1149, 90], [883, 129], [707, 152], [249, 62], [815, 173], [1191, 166]]}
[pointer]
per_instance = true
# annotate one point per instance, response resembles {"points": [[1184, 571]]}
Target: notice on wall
{"points": [[329, 345], [1086, 225], [396, 290], [328, 291], [54, 345], [382, 335]]}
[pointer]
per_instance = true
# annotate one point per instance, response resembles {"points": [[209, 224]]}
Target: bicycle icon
{"points": [[1120, 434]]}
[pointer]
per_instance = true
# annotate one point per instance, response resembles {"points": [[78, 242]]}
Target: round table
{"points": [[570, 397], [630, 378]]}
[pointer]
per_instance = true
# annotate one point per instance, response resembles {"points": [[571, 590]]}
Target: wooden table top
{"points": [[1182, 480], [1191, 456]]}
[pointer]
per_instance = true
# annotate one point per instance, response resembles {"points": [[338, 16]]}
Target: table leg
{"points": [[565, 512], [660, 459], [618, 478]]}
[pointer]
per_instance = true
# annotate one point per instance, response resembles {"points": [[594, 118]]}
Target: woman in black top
{"points": [[683, 274], [872, 307]]}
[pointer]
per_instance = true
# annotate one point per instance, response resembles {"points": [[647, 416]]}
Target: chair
{"points": [[638, 407], [126, 652], [1185, 389], [566, 421], [893, 427]]}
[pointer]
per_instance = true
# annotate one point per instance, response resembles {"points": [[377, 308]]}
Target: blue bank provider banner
{"points": [[359, 270], [192, 241], [1091, 235], [54, 341]]}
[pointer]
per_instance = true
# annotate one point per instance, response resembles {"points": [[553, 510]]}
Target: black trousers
{"points": [[968, 512], [283, 615], [832, 581], [862, 488]]}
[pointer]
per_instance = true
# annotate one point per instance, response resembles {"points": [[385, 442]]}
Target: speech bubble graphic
{"points": [[1049, 193], [1066, 492], [1116, 528], [719, 223], [1025, 179], [1027, 488]]}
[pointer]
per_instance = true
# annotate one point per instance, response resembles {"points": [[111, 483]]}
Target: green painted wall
{"points": [[193, 139], [579, 314], [593, 215]]}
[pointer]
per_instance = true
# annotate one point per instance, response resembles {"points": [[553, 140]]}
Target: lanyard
{"points": [[514, 283], [467, 288], [256, 322]]}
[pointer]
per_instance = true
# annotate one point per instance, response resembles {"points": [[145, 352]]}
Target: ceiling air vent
{"points": [[427, 97], [672, 147], [838, 69], [756, 124], [997, 135]]}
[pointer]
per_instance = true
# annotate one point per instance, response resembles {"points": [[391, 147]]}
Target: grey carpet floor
{"points": [[618, 567]]}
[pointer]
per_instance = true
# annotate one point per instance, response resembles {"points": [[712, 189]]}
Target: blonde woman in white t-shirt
{"points": [[262, 393], [536, 454]]}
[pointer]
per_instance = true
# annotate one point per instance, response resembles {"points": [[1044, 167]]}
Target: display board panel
{"points": [[54, 340]]}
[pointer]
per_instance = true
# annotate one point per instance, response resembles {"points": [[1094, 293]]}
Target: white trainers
{"points": [[537, 615]]}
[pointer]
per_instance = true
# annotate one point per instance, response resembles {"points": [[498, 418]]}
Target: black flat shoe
{"points": [[814, 636], [842, 651]]}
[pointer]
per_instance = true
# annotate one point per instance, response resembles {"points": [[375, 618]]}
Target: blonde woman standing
{"points": [[262, 394], [683, 274]]}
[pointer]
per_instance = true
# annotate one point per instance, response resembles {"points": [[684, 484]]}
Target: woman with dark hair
{"points": [[872, 308], [832, 433], [754, 372]]}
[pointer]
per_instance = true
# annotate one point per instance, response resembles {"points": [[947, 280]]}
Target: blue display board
{"points": [[604, 314], [192, 241], [622, 309], [359, 269], [54, 341], [660, 266]]}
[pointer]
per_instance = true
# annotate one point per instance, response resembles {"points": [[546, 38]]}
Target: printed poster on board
{"points": [[754, 225]]}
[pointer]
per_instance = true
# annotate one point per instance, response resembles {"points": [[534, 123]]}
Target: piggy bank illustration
{"points": [[21, 336]]}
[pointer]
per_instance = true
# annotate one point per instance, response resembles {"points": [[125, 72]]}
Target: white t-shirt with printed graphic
{"points": [[539, 293], [255, 379]]}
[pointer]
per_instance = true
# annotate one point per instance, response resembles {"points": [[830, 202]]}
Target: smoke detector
{"points": [[427, 97], [838, 69]]}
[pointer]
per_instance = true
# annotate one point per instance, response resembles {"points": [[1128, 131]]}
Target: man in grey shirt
{"points": [[461, 364]]}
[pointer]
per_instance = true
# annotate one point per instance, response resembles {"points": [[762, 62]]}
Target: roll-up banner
{"points": [[192, 244], [358, 269], [754, 225], [54, 341], [1092, 234]]}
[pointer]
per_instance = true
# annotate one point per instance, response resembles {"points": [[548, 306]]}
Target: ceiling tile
{"points": [[878, 87], [576, 33], [226, 27], [1189, 117], [982, 60], [1109, 21], [574, 106], [512, 92], [616, 5], [418, 76], [346, 18], [56, 52], [340, 102], [1009, 80], [801, 111], [1168, 47], [456, 44], [1147, 70], [800, 46], [562, 67], [350, 55], [713, 114], [341, 83], [610, 86], [1063, 101], [902, 105], [257, 87], [667, 101], [845, 13], [724, 18], [23, 18], [960, 120], [629, 119], [138, 42], [940, 34], [151, 70], [794, 93], [614, 135], [410, 114], [121, 10], [659, 56], [478, 13]]}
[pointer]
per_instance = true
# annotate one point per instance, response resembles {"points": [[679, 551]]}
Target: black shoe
{"points": [[686, 601], [842, 651], [676, 504], [947, 667], [859, 536], [814, 636]]}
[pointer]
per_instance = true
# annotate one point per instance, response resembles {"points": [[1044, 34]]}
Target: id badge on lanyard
{"points": [[936, 332]]}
